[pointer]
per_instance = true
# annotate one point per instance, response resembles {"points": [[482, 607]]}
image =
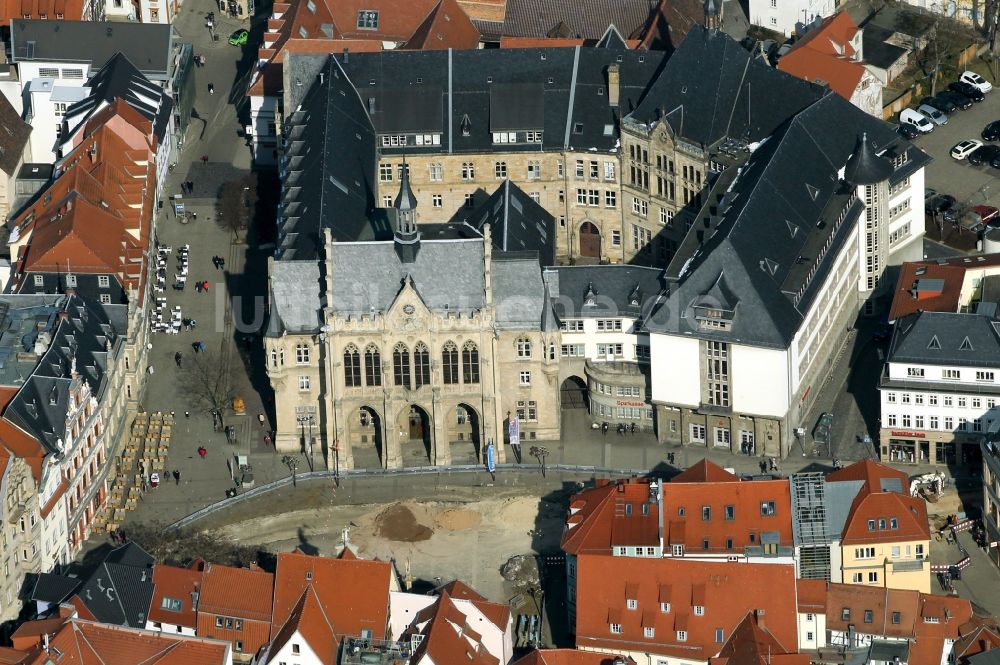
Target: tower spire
{"points": [[406, 237]]}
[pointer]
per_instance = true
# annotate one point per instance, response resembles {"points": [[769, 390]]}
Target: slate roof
{"points": [[587, 19], [119, 591], [119, 78], [621, 290], [777, 234], [878, 52], [517, 223], [83, 340], [14, 134], [54, 589], [946, 338], [712, 88], [447, 274], [519, 294], [147, 45], [295, 290]]}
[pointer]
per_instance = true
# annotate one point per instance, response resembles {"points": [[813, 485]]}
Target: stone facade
{"points": [[581, 190], [21, 539]]}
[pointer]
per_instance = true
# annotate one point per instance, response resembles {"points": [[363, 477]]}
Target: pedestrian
{"points": [[177, 358], [194, 324], [197, 287], [190, 186], [177, 477], [763, 466], [670, 458], [187, 414], [204, 285], [222, 263], [260, 419], [204, 159], [633, 429], [604, 428], [267, 439], [202, 452], [194, 216]]}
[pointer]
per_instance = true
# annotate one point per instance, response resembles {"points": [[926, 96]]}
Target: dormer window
{"points": [[589, 297], [368, 19]]}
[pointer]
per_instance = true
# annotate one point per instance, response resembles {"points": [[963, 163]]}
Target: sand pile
{"points": [[459, 519], [398, 523]]}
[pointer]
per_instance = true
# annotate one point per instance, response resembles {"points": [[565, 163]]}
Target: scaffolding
{"points": [[809, 525]]}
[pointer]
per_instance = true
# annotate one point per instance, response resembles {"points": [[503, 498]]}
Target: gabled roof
{"points": [[704, 472], [84, 642], [147, 45], [933, 286], [608, 290], [174, 584], [946, 338], [569, 657], [727, 592], [877, 477], [40, 9], [825, 55], [881, 508], [752, 644], [893, 612], [449, 639], [119, 591], [14, 134], [446, 26], [308, 620], [353, 594], [939, 625], [594, 526], [585, 20], [52, 588], [236, 592]]}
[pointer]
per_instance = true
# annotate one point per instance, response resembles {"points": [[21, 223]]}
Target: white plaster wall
{"points": [[591, 337], [904, 248], [170, 628], [782, 15], [759, 380], [816, 626], [306, 655], [676, 369]]}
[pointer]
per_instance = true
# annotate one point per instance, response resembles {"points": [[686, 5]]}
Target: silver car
{"points": [[934, 115]]}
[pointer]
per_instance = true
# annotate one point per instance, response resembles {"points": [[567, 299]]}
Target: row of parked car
{"points": [[932, 111]]}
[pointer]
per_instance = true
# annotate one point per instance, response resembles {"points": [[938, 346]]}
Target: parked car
{"points": [[908, 131], [988, 215], [967, 89], [956, 98], [995, 163], [939, 103], [964, 148], [917, 119], [933, 114], [239, 37], [983, 154], [991, 132], [975, 79]]}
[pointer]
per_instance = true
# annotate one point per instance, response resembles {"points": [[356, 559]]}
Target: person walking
{"points": [[604, 428], [211, 89], [633, 429], [204, 159], [202, 452], [177, 358], [177, 477]]}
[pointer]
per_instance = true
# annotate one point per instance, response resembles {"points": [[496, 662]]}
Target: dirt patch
{"points": [[398, 523], [459, 519]]}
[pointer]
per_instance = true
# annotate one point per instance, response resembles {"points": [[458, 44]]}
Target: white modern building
{"points": [[786, 259], [789, 16]]}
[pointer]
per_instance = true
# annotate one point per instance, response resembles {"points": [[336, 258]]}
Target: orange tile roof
{"points": [[497, 613], [539, 42], [30, 633], [726, 591], [978, 634], [825, 54], [447, 26], [704, 472], [87, 643], [872, 473], [594, 525], [449, 639], [269, 82], [881, 602], [71, 10], [236, 592], [354, 594], [11, 656], [811, 596], [910, 514], [950, 614], [569, 657], [911, 297], [176, 584], [310, 621], [752, 644]]}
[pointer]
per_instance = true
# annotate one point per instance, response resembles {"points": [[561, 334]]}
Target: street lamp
{"points": [[292, 463]]}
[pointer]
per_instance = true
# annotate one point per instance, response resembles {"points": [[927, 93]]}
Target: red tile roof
{"points": [[236, 592], [569, 657], [915, 292], [909, 512], [71, 10], [310, 621], [940, 619], [726, 591], [873, 474], [87, 643], [176, 584], [539, 42], [752, 644], [354, 594], [598, 521], [880, 602], [448, 637], [811, 596], [447, 26], [825, 54], [704, 472], [18, 442]]}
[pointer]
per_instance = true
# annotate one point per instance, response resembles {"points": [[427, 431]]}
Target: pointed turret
{"points": [[407, 237], [865, 167]]}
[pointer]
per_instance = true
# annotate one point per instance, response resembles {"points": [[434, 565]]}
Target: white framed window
{"points": [[301, 354], [616, 629], [699, 610], [610, 199], [39, 280], [890, 398], [951, 374], [303, 383], [385, 172], [857, 578], [571, 325], [436, 201], [631, 603], [59, 109], [387, 201], [609, 171], [468, 171], [984, 376], [872, 576], [436, 172], [682, 636], [526, 378], [648, 632], [916, 372], [105, 299], [500, 170], [697, 432], [534, 170], [103, 281]]}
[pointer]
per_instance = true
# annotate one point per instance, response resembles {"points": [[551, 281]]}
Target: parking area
{"points": [[970, 185]]}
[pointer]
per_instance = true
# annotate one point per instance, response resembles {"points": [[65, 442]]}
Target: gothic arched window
{"points": [[352, 366], [401, 365], [421, 365], [449, 363], [373, 366], [470, 363]]}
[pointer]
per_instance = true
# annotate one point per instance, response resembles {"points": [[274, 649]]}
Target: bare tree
{"points": [[237, 200], [182, 546], [207, 380]]}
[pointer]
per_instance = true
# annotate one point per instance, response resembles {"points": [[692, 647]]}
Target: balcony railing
{"points": [[366, 651]]}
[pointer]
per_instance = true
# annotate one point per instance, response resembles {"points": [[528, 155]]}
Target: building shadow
{"points": [[304, 545]]}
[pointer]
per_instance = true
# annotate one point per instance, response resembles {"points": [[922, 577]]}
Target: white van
{"points": [[917, 119]]}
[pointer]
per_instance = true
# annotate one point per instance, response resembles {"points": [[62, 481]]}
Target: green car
{"points": [[239, 38]]}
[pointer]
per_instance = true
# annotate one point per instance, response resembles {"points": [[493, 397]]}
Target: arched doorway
{"points": [[574, 394], [590, 240], [464, 429], [367, 441], [415, 432]]}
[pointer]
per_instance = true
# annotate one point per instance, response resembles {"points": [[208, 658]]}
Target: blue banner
{"points": [[491, 458]]}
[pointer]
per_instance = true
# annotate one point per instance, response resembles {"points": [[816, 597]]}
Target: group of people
{"points": [[202, 286], [622, 428]]}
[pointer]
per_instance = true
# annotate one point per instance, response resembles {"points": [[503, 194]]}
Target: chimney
{"points": [[347, 55], [759, 613], [614, 79]]}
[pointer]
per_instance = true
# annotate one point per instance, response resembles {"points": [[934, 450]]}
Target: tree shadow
{"points": [[304, 545]]}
